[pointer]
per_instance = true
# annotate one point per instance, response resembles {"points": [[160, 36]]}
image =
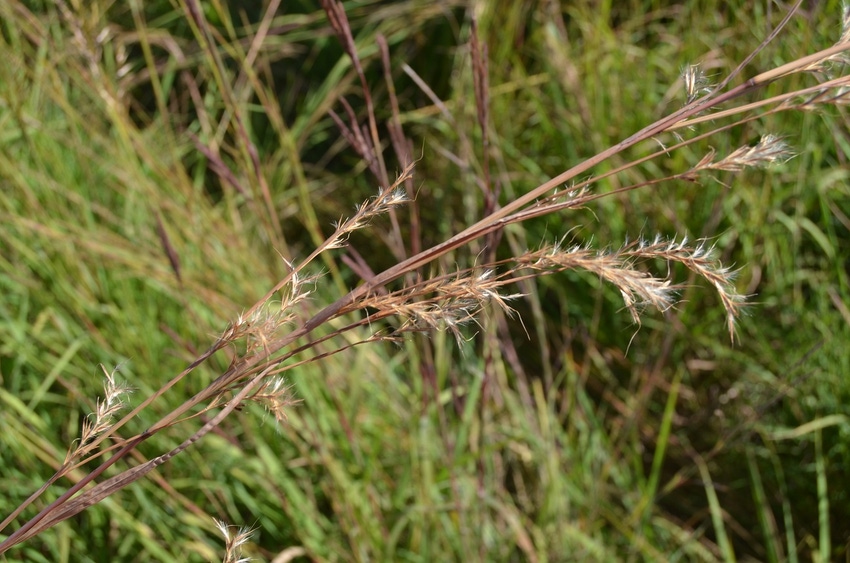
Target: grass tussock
{"points": [[431, 375]]}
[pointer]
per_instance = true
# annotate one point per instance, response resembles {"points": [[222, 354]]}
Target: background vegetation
{"points": [[138, 216]]}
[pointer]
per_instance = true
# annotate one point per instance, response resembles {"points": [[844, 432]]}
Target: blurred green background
{"points": [[572, 436]]}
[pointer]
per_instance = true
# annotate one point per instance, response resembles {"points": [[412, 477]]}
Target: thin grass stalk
{"points": [[641, 512], [202, 30], [66, 507], [764, 511], [717, 513], [496, 220], [247, 374], [824, 551]]}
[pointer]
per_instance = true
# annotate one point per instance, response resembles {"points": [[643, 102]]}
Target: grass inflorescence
{"points": [[430, 374]]}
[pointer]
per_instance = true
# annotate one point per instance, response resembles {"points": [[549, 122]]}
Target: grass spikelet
{"points": [[233, 542], [104, 415], [276, 396], [386, 200], [161, 164], [702, 261], [696, 82], [770, 150], [637, 288]]}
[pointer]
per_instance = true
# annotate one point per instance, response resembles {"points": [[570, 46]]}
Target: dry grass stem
{"points": [[266, 339], [840, 59]]}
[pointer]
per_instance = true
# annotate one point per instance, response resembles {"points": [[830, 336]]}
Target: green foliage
{"points": [[138, 217]]}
